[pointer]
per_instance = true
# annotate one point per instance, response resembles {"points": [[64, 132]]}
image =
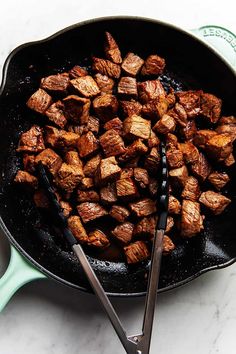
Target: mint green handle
{"points": [[18, 273]]}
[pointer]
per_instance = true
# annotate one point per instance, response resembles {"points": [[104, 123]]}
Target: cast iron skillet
{"points": [[191, 64]]}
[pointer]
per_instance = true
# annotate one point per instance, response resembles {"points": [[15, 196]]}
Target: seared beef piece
{"points": [[229, 129], [174, 206], [168, 245], [86, 86], [171, 141], [190, 152], [106, 67], [87, 196], [112, 50], [227, 120], [115, 124], [188, 132], [90, 211], [191, 219], [146, 227], [29, 163], [51, 135], [215, 202], [126, 189], [55, 113], [87, 145], [104, 83], [123, 232], [130, 107], [132, 64], [112, 143], [72, 158], [169, 224], [77, 108], [40, 199], [68, 177], [127, 86], [191, 189], [165, 125], [150, 90], [31, 140], [190, 100], [98, 239], [181, 116], [153, 141], [229, 161], [91, 166], [105, 106], [143, 207], [86, 183], [154, 65], [108, 170], [171, 98], [153, 187], [92, 125], [178, 176], [211, 107], [201, 168], [56, 83], [141, 177], [50, 159], [202, 136], [67, 140], [137, 127], [136, 252], [156, 108], [39, 101], [119, 213], [77, 229], [26, 179], [174, 158], [66, 208], [152, 161], [127, 173], [218, 179], [77, 71], [108, 194], [219, 147]]}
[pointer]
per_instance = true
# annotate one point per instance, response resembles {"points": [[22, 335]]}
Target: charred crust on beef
{"points": [[39, 101], [112, 143], [215, 202], [31, 140], [98, 239], [123, 232], [90, 211]]}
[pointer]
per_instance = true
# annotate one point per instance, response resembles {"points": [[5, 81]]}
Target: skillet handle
{"points": [[221, 39], [18, 273]]}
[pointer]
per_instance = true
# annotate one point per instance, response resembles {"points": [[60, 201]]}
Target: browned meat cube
{"points": [[156, 108], [72, 158], [130, 107], [229, 129], [87, 196], [55, 113], [134, 150], [66, 208], [180, 115], [40, 199], [119, 213], [136, 252], [68, 177], [86, 183], [106, 67], [227, 120], [50, 159], [141, 177], [191, 189], [123, 232], [86, 86], [201, 168], [154, 65], [190, 100], [188, 132], [115, 124], [178, 176], [165, 125], [29, 163], [146, 227], [211, 107], [112, 143], [77, 71], [104, 83], [190, 152], [108, 170], [152, 161], [168, 245], [174, 206], [202, 136], [127, 86], [143, 207], [98, 239], [126, 189], [191, 219], [174, 158], [132, 64], [26, 179], [39, 101], [108, 194], [137, 127], [215, 202], [77, 228], [150, 90], [90, 211], [92, 125], [112, 50], [219, 147], [105, 106], [77, 108], [31, 140], [51, 135], [67, 140], [87, 145], [91, 166], [218, 179], [55, 83], [153, 141], [127, 173], [229, 161], [171, 141], [171, 99], [153, 187], [169, 224]]}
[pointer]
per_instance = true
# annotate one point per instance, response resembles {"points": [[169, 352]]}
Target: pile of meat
{"points": [[101, 147]]}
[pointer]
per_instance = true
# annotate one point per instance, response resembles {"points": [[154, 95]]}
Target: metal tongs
{"points": [[134, 344]]}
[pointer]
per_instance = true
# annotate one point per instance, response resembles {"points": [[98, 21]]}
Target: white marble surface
{"points": [[47, 318]]}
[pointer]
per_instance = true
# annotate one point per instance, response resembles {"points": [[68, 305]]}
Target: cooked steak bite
{"points": [[112, 50], [188, 132], [190, 100], [218, 179], [87, 145], [29, 163], [169, 224], [67, 140], [90, 211], [115, 124], [202, 136], [86, 86], [155, 108], [39, 101], [127, 172], [123, 232], [174, 206], [165, 125], [141, 177], [134, 150], [190, 152], [77, 228], [72, 158], [68, 177], [178, 176], [132, 64], [211, 107], [150, 90], [119, 213], [31, 140], [26, 179], [127, 86], [87, 196], [229, 161], [146, 227], [143, 207], [77, 71], [152, 161], [98, 239], [130, 107], [215, 202], [104, 83], [181, 116], [51, 135], [92, 125], [126, 189], [137, 127], [229, 129], [56, 83], [108, 170], [77, 108], [219, 146], [171, 98], [66, 208], [55, 114], [201, 168], [108, 194], [191, 219], [50, 159], [112, 143], [91, 165], [171, 141], [191, 189], [154, 65], [86, 183], [153, 187], [136, 252], [174, 157], [153, 141], [106, 67], [105, 106], [168, 245]]}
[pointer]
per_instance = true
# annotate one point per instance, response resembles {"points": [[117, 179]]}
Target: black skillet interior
{"points": [[190, 65]]}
